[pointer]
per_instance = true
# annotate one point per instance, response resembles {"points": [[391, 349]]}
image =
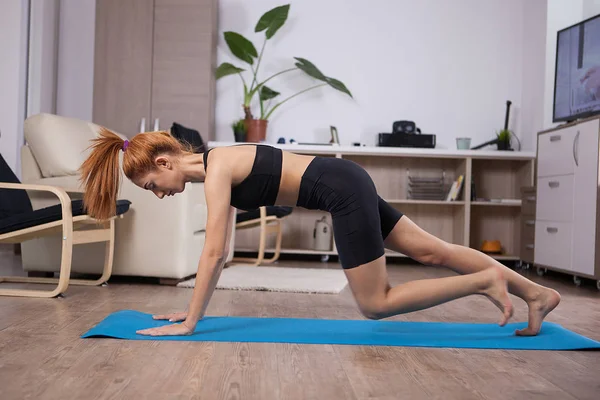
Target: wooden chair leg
{"points": [[262, 242], [275, 228], [108, 261], [62, 281]]}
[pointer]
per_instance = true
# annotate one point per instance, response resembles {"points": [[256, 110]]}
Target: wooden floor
{"points": [[42, 356]]}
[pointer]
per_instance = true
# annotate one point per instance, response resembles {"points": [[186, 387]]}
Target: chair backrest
{"points": [[12, 201], [188, 136]]}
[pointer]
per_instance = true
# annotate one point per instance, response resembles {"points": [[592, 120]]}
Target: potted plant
{"points": [[504, 139], [242, 48], [239, 130]]}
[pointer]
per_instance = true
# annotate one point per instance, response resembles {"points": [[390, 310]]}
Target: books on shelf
{"points": [[455, 189]]}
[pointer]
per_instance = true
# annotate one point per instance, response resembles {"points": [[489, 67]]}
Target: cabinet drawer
{"points": [[528, 203], [555, 152], [553, 244], [555, 198], [527, 239], [527, 228], [527, 255]]}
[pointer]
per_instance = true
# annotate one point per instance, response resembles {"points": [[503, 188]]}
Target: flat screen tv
{"points": [[577, 76]]}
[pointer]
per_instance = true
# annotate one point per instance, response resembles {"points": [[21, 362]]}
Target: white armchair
{"points": [[160, 238]]}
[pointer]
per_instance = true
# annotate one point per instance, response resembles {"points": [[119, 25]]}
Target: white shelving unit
{"points": [[497, 175]]}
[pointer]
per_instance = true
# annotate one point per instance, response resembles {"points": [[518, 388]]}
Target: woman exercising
{"points": [[250, 176]]}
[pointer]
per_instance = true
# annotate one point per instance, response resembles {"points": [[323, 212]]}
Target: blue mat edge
{"points": [[587, 343]]}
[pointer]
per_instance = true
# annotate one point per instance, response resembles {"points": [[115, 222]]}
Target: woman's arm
{"points": [[217, 187]]}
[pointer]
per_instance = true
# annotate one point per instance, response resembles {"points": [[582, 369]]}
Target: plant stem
{"points": [[245, 88], [271, 77], [258, 63], [265, 81], [289, 98]]}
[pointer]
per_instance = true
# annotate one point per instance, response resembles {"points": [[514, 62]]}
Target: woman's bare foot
{"points": [[496, 290], [540, 304]]}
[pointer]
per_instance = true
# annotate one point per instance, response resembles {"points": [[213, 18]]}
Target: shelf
{"points": [[378, 151], [494, 203], [426, 202]]}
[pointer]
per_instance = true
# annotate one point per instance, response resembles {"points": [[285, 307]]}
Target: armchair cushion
{"points": [[278, 211], [12, 202], [49, 214]]}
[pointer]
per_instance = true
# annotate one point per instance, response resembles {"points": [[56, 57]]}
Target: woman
{"points": [[250, 176]]}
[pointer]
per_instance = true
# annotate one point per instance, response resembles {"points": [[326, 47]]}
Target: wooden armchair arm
{"points": [[65, 200], [67, 213]]}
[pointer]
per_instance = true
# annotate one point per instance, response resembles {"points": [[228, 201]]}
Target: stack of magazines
{"points": [[427, 188]]}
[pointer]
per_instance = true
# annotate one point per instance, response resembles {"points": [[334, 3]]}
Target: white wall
{"points": [[75, 81], [531, 113], [43, 44], [561, 14], [13, 62], [449, 66]]}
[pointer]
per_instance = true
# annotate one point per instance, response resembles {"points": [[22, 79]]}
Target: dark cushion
{"points": [[278, 211], [48, 214], [188, 136], [12, 201]]}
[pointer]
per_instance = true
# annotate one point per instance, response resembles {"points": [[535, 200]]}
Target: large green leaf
{"points": [[241, 47], [227, 69], [272, 20], [267, 93], [310, 69], [334, 83]]}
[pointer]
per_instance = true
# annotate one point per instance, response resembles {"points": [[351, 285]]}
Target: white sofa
{"points": [[159, 238]]}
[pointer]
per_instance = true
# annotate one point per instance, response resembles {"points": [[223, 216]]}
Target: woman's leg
{"points": [[407, 238], [376, 299]]}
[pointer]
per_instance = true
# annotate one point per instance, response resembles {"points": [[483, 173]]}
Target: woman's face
{"points": [[166, 179]]}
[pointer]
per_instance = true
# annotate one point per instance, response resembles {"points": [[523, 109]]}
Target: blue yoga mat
{"points": [[124, 324]]}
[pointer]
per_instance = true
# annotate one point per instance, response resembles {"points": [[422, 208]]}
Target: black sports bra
{"points": [[261, 186]]}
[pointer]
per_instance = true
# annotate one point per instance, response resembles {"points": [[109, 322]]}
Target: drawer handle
{"points": [[554, 184], [576, 149], [529, 247], [530, 222], [530, 198], [551, 229], [555, 138]]}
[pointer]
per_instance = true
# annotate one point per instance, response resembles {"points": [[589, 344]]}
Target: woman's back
{"points": [[260, 174]]}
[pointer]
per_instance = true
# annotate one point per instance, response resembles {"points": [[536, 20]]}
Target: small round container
{"points": [[463, 143]]}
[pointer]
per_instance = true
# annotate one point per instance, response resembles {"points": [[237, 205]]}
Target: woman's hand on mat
{"points": [[173, 317], [167, 330]]}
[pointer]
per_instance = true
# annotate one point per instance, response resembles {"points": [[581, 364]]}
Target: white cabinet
{"points": [[585, 194], [567, 185]]}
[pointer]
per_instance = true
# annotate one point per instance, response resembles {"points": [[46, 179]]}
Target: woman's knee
{"points": [[373, 309]]}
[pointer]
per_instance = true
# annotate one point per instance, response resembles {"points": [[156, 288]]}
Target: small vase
{"points": [[256, 130], [240, 136], [503, 145]]}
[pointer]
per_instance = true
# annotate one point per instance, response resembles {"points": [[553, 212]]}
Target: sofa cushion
{"points": [[49, 214], [59, 144]]}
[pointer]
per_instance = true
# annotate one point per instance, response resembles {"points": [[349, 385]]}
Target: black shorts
{"points": [[361, 219]]}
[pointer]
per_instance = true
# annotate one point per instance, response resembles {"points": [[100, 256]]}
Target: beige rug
{"points": [[279, 279]]}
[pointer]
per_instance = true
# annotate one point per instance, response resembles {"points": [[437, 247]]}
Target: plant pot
{"points": [[504, 145], [256, 130], [240, 136]]}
